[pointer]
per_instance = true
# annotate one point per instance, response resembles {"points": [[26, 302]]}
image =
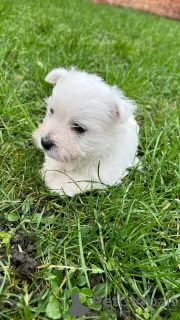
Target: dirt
{"points": [[24, 264], [22, 253], [22, 259]]}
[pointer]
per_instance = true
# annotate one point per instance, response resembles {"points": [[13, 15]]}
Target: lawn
{"points": [[121, 243]]}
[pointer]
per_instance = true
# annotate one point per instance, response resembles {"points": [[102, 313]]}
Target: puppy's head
{"points": [[82, 116]]}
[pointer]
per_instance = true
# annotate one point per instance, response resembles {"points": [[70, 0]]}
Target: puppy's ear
{"points": [[55, 75], [123, 107]]}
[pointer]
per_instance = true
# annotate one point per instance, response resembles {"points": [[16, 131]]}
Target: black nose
{"points": [[47, 143]]}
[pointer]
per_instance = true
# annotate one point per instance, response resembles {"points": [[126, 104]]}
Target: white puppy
{"points": [[89, 135]]}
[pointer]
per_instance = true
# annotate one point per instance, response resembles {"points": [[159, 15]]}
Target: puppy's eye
{"points": [[78, 128], [51, 111]]}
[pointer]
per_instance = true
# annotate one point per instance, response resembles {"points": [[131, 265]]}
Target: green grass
{"points": [[124, 240]]}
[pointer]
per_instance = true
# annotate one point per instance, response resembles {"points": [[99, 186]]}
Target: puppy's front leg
{"points": [[66, 183]]}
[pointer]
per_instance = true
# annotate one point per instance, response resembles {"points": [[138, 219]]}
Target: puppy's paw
{"points": [[67, 189], [60, 183]]}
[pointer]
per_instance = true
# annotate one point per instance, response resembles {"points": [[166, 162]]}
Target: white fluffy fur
{"points": [[99, 156]]}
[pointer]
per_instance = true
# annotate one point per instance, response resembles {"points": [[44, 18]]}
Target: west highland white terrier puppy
{"points": [[89, 135]]}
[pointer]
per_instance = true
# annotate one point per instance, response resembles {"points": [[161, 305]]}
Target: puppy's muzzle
{"points": [[47, 143]]}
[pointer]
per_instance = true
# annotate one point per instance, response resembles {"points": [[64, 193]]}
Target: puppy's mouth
{"points": [[51, 151], [54, 154]]}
